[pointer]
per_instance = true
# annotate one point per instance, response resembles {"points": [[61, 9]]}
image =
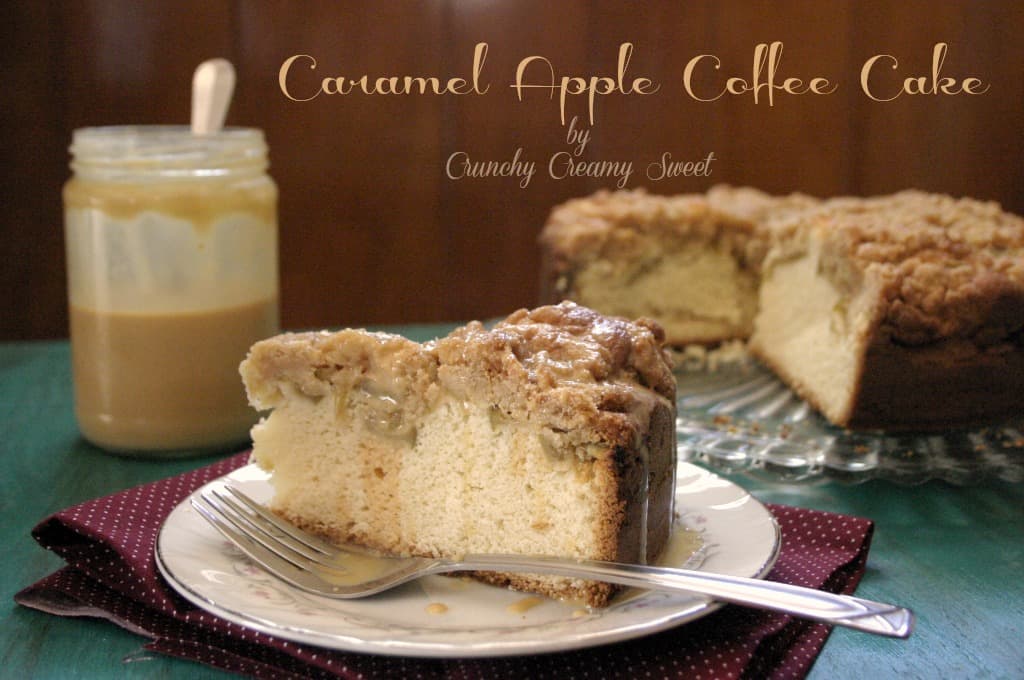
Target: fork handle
{"points": [[841, 610]]}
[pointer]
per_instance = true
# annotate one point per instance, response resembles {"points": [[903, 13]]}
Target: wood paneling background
{"points": [[372, 231]]}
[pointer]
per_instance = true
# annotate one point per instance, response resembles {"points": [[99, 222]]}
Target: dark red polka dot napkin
{"points": [[108, 545]]}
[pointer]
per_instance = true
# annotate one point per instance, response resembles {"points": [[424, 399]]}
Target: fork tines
{"points": [[281, 548]]}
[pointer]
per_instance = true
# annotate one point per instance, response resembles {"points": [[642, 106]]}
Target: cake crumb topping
{"points": [[947, 268], [584, 377], [623, 223], [566, 367]]}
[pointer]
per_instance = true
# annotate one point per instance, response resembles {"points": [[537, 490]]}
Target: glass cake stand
{"points": [[737, 417]]}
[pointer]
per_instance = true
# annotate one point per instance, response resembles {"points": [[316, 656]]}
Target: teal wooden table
{"points": [[953, 554]]}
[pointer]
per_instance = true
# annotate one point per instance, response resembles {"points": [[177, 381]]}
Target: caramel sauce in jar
{"points": [[171, 243]]}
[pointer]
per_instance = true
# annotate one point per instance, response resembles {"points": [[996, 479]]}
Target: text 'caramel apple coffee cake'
{"points": [[897, 312], [550, 433]]}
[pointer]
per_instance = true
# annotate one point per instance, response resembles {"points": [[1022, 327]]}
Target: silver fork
{"points": [[316, 566]]}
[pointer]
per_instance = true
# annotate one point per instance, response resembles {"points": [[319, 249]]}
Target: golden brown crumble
{"points": [[585, 377], [626, 223], [320, 363], [565, 367], [944, 268]]}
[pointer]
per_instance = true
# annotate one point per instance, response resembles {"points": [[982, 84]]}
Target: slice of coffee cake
{"points": [[552, 433]]}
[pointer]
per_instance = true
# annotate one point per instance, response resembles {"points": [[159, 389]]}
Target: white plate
{"points": [[740, 537]]}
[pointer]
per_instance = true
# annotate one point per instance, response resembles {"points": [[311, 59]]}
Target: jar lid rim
{"points": [[146, 131], [166, 146]]}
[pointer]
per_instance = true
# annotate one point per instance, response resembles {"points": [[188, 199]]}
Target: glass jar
{"points": [[171, 245]]}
